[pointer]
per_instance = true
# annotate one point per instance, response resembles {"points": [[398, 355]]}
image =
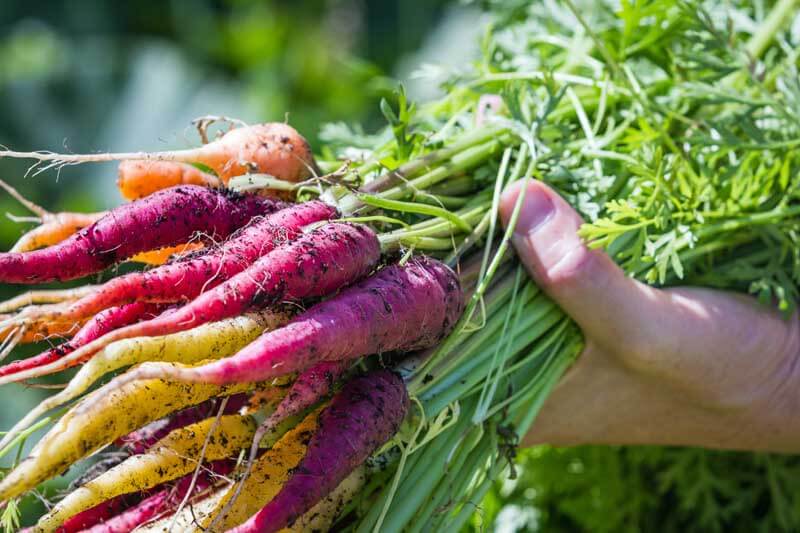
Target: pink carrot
{"points": [[142, 439], [316, 264], [309, 387], [402, 308], [185, 279], [163, 501], [365, 414], [97, 514], [168, 217], [102, 323]]}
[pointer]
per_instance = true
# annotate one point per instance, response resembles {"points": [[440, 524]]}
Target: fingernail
{"points": [[537, 209]]}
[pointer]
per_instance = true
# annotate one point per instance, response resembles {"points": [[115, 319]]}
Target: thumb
{"points": [[585, 283]]}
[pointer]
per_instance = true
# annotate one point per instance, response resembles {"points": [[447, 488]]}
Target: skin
{"points": [[683, 366]]}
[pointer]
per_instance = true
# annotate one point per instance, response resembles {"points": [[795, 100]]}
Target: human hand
{"points": [[684, 366]]}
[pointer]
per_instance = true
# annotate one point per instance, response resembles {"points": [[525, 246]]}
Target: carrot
{"points": [[213, 340], [272, 148], [185, 279], [97, 514], [321, 516], [173, 456], [46, 296], [137, 179], [143, 439], [363, 416], [402, 308], [264, 481], [309, 388], [162, 501], [318, 263], [164, 255], [54, 228], [318, 519], [98, 326], [100, 418], [166, 218], [14, 332]]}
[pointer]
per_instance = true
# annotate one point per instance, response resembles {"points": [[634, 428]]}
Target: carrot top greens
{"points": [[672, 126]]}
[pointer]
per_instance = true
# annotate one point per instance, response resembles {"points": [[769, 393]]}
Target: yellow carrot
{"points": [[173, 456], [100, 418]]}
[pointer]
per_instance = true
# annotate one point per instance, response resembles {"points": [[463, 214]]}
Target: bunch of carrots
{"points": [[264, 319], [348, 342]]}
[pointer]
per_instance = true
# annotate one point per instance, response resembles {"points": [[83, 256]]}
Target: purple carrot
{"points": [[400, 308], [166, 218], [185, 279], [102, 323], [365, 414]]}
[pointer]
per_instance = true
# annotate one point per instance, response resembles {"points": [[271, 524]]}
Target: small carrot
{"points": [[208, 341], [168, 217], [316, 264], [173, 456], [365, 414], [100, 418], [137, 179], [38, 331]]}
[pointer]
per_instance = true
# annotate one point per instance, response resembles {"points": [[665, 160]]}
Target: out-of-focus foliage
{"points": [[619, 489]]}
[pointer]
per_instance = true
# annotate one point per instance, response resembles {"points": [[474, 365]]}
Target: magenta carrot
{"points": [[403, 308], [102, 323], [168, 217], [365, 414], [97, 514], [316, 264], [142, 439], [185, 279], [310, 387], [164, 501]]}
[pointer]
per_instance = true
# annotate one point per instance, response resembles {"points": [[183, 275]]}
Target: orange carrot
{"points": [[138, 179]]}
